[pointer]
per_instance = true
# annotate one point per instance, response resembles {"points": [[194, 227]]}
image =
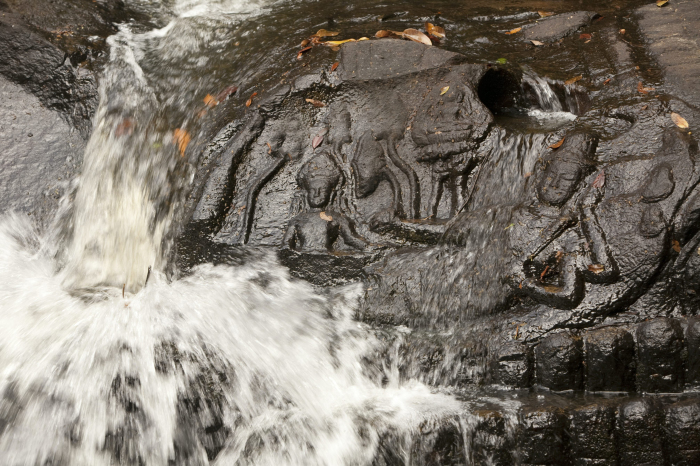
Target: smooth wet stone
{"points": [[659, 347], [559, 362], [556, 27], [639, 427], [692, 340], [592, 435], [609, 360], [541, 436], [515, 364], [682, 428], [491, 443]]}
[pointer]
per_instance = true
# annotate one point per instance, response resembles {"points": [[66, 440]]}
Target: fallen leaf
{"points": [[509, 226], [501, 61], [606, 81], [324, 33], [573, 80], [362, 38], [622, 31], [325, 217], [305, 42], [596, 268], [587, 41], [514, 31], [384, 33], [333, 43], [226, 93], [335, 49], [661, 3], [416, 36], [557, 145], [302, 51], [679, 121], [125, 128], [335, 66], [444, 90], [544, 14], [210, 101], [250, 101], [269, 148], [676, 245], [182, 138], [316, 141], [435, 31], [537, 43], [316, 103], [559, 255], [644, 90], [585, 36], [599, 181]]}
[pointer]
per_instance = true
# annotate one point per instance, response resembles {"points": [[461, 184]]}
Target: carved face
{"points": [[318, 190], [559, 182]]}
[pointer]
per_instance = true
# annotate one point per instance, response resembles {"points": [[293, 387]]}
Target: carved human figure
{"points": [[319, 229], [447, 128], [285, 145]]}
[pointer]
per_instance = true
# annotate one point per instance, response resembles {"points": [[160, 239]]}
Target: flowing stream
{"points": [[103, 362]]}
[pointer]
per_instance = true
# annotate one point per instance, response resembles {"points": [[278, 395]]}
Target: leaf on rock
{"points": [[599, 181], [303, 51], [557, 145], [316, 103], [514, 31], [642, 89], [305, 42], [435, 31], [325, 217], [210, 101], [622, 31], [501, 61], [544, 14], [596, 268], [182, 139], [585, 36], [316, 141], [679, 121], [573, 80], [250, 101], [444, 90], [607, 81], [676, 245], [324, 33], [333, 43], [384, 33], [416, 36], [537, 43], [661, 3], [335, 66]]}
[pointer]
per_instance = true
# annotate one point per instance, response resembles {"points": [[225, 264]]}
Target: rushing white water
{"points": [[550, 106], [240, 364]]}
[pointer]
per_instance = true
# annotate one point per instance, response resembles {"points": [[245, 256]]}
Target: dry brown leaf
{"points": [[250, 101], [325, 217], [544, 14], [416, 36], [514, 31], [305, 42], [573, 80], [435, 31], [599, 181], [642, 89], [384, 33], [303, 51], [596, 268], [544, 272], [557, 145], [606, 81], [324, 33], [679, 121], [210, 101], [661, 3], [444, 90], [316, 141], [335, 66], [676, 245], [622, 31], [585, 36], [316, 103], [537, 43], [182, 138], [335, 49], [333, 43]]}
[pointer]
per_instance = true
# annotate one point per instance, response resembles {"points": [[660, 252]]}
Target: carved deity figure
{"points": [[319, 228]]}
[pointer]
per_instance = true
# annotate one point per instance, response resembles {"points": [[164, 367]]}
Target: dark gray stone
{"points": [[640, 434], [559, 362], [682, 428], [692, 341], [556, 27], [592, 435], [515, 363], [541, 436], [659, 347], [610, 364]]}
